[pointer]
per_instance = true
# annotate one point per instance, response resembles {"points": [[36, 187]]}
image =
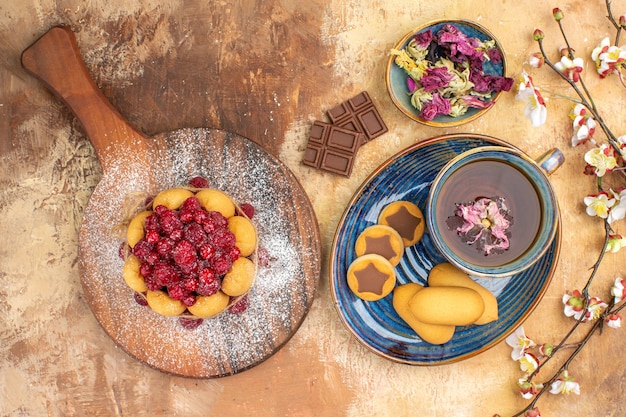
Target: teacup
{"points": [[492, 211]]}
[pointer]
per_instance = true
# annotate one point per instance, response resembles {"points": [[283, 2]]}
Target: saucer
{"points": [[408, 176]]}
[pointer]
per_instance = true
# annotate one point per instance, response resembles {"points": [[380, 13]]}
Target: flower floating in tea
{"points": [[484, 223]]}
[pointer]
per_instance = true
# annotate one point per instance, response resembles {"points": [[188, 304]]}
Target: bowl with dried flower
{"points": [[446, 73]]}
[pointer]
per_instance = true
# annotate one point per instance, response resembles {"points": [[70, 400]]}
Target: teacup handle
{"points": [[551, 160]]}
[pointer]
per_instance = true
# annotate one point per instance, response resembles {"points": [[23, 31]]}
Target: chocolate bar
{"points": [[332, 148], [359, 114]]}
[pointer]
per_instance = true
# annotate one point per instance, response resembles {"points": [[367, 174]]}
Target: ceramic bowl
{"points": [[396, 77]]}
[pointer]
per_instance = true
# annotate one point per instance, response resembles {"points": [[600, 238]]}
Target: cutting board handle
{"points": [[56, 60]]}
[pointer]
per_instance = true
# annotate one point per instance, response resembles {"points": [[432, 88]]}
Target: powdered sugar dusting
{"points": [[283, 289]]}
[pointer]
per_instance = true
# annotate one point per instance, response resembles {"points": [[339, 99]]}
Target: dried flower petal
{"points": [[436, 78], [424, 38], [435, 107], [484, 223]]}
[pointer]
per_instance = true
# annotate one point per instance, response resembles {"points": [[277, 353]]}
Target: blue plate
{"points": [[407, 176], [396, 77]]}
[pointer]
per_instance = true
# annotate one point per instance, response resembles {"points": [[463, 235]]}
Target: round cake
{"points": [[190, 252]]}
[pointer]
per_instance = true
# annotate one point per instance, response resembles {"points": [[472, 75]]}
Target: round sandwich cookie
{"points": [[381, 240], [406, 218], [371, 277]]}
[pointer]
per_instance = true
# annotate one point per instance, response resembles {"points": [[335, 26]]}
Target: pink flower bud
{"points": [[546, 349], [538, 34], [622, 20], [536, 60], [557, 14], [528, 389], [533, 413], [614, 321]]}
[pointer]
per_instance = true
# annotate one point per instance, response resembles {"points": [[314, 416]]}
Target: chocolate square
{"points": [[337, 162], [319, 132], [313, 155], [332, 148], [361, 113]]}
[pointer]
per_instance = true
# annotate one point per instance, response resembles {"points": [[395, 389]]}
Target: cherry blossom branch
{"points": [[586, 99], [558, 16], [618, 27], [548, 384], [578, 346], [580, 304], [585, 291]]}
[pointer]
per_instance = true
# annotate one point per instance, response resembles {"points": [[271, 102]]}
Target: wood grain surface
{"points": [[265, 70]]}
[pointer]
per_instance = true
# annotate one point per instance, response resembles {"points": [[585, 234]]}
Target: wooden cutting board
{"points": [[289, 240]]}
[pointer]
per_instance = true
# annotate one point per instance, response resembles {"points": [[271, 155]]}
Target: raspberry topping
{"points": [[164, 247], [170, 222], [140, 299], [247, 209], [142, 249], [191, 204], [186, 252], [176, 292], [195, 234], [189, 323], [221, 264], [145, 269], [152, 223], [264, 258], [240, 306], [199, 182], [123, 250]]}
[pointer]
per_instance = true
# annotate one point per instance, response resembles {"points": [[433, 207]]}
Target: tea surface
{"points": [[490, 179]]}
